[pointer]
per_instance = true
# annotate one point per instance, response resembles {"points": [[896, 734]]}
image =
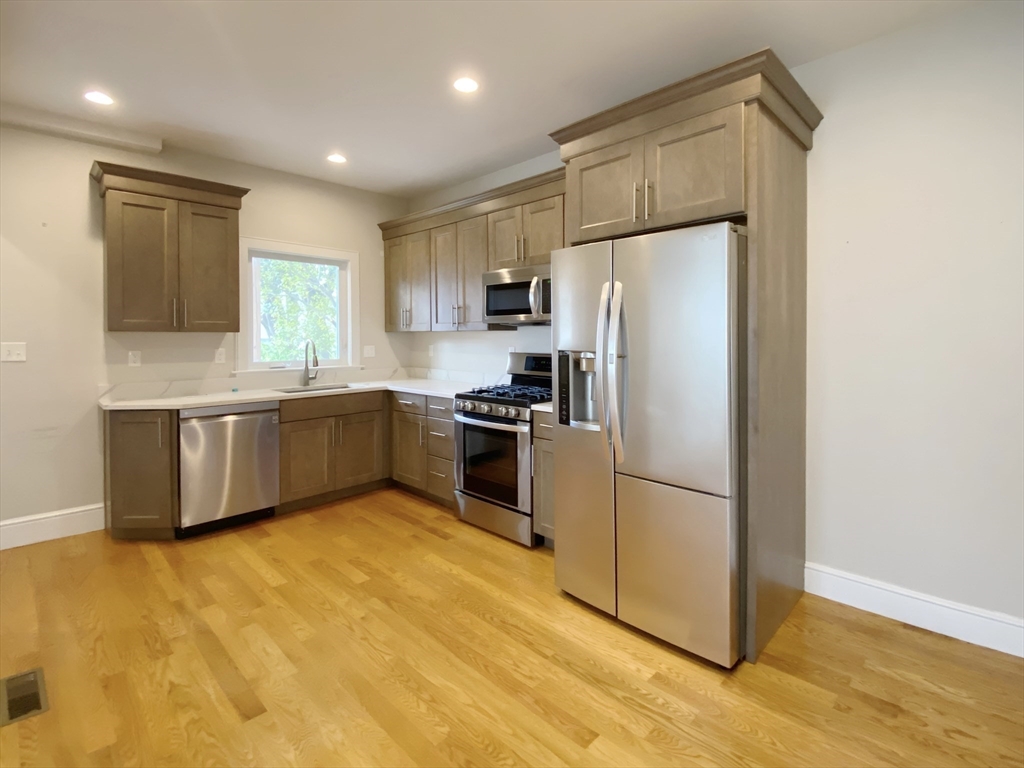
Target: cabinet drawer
{"points": [[441, 438], [440, 407], [331, 405], [406, 403], [543, 425], [441, 478]]}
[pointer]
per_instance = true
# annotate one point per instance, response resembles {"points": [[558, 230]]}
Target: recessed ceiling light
{"points": [[336, 158], [99, 98], [466, 84]]}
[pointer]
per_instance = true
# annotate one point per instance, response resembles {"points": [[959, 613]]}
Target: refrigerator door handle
{"points": [[612, 366], [601, 369]]}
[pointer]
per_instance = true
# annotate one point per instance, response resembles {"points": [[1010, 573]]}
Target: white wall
{"points": [[51, 296], [535, 165], [915, 422], [915, 438]]}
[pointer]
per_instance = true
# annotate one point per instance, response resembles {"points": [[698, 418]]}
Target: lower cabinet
{"points": [[441, 478], [141, 466], [409, 449], [307, 458], [331, 454], [544, 488], [359, 455]]}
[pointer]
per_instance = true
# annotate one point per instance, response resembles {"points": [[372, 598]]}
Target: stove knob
{"points": [[503, 411], [470, 406], [513, 412], [484, 408]]}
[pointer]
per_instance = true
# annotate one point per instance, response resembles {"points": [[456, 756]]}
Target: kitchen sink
{"points": [[313, 388]]}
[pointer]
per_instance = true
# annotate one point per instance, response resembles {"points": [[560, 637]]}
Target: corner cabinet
{"points": [[407, 283], [171, 245]]}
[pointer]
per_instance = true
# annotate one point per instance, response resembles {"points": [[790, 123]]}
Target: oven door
{"points": [[492, 461]]}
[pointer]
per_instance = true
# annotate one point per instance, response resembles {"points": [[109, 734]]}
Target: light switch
{"points": [[13, 351], [219, 356], [134, 359], [369, 351]]}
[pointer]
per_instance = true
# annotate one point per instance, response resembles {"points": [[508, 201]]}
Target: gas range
{"points": [[531, 383]]}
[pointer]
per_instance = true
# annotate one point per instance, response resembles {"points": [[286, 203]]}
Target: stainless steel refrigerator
{"points": [[646, 481]]}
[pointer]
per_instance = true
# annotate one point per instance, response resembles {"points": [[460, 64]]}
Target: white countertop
{"points": [[543, 407], [435, 387]]}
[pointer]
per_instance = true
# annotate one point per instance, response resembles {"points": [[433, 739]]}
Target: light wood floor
{"points": [[381, 631]]}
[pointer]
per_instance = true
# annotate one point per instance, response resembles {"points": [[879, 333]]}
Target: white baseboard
{"points": [[990, 629], [32, 529]]}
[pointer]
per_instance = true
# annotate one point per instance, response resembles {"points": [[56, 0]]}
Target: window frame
{"points": [[256, 247]]}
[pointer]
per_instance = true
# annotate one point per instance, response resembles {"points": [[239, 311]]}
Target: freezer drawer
{"points": [[229, 465], [678, 566]]}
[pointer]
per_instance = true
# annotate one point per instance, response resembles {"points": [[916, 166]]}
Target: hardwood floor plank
{"points": [[382, 631]]}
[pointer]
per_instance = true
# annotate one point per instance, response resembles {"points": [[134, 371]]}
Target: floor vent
{"points": [[22, 696]]}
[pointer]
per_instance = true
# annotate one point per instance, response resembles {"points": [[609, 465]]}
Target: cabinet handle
{"points": [[421, 434], [531, 461], [455, 320], [522, 246], [634, 201], [405, 402], [437, 473], [438, 407], [159, 432], [332, 436], [515, 246], [439, 434], [546, 426], [174, 302], [184, 304], [458, 314], [647, 185], [341, 433]]}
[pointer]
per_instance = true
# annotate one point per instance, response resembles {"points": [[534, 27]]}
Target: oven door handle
{"points": [[493, 424]]}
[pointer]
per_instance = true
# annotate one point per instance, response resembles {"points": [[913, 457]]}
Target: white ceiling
{"points": [[282, 84]]}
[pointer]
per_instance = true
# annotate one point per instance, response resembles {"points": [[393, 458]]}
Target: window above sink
{"points": [[291, 293]]}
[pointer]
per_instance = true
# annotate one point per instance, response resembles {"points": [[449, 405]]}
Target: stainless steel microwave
{"points": [[520, 296]]}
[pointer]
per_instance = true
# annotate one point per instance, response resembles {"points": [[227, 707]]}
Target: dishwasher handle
{"points": [[228, 410]]}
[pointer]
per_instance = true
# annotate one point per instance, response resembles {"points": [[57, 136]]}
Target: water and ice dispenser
{"points": [[577, 389]]}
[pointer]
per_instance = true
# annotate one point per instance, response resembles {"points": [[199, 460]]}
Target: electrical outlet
{"points": [[134, 359], [13, 351], [369, 351], [219, 356], [430, 350]]}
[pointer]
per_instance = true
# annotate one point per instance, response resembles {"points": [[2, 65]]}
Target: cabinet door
{"points": [[441, 478], [504, 238], [409, 449], [694, 169], [208, 264], [360, 449], [142, 470], [543, 230], [443, 278], [307, 458], [396, 288], [603, 192], [472, 263], [544, 488], [417, 261], [141, 242]]}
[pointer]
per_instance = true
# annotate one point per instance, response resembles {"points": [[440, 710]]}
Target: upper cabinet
{"points": [[681, 154], [171, 246], [687, 171], [437, 259], [407, 283]]}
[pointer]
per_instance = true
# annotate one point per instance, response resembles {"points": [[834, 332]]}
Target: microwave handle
{"points": [[535, 296]]}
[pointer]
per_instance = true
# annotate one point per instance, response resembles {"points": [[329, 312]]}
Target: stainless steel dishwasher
{"points": [[229, 461]]}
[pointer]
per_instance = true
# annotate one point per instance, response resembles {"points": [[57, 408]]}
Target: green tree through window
{"points": [[296, 300]]}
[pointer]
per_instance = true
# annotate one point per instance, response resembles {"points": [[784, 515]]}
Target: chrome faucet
{"points": [[306, 375]]}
